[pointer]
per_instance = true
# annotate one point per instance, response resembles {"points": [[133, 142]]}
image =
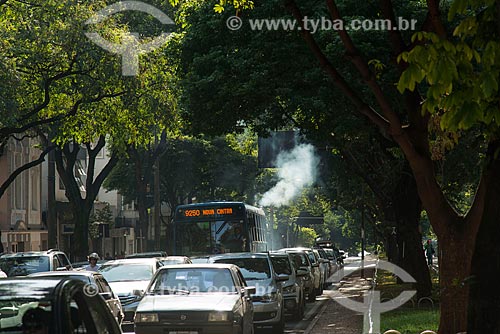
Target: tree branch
{"points": [[21, 169], [435, 18], [337, 78]]}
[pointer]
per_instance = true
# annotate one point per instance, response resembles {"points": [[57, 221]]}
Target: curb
{"points": [[313, 322]]}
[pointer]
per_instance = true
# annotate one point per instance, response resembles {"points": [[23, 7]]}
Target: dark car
{"points": [[52, 306], [258, 271], [25, 263], [97, 281], [196, 298]]}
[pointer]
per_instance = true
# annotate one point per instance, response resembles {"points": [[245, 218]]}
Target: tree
{"points": [[279, 92], [400, 119], [459, 74], [84, 100]]}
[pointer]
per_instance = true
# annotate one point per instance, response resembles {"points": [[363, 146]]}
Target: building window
{"points": [[19, 182], [35, 189]]}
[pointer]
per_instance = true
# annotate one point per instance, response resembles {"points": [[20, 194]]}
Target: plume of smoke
{"points": [[296, 169]]}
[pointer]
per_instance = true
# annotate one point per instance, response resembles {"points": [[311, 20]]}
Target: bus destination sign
{"points": [[209, 212]]}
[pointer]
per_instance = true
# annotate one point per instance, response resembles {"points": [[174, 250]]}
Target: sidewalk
{"points": [[333, 317]]}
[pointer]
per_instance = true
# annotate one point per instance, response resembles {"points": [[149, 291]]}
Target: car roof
{"points": [[238, 256], [279, 253], [26, 287], [146, 255], [200, 266], [28, 254], [66, 273], [144, 260]]}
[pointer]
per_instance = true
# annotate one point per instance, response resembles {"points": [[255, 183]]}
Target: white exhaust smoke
{"points": [[297, 169]]}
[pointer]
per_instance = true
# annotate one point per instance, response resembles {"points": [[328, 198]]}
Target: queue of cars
{"points": [[221, 293]]}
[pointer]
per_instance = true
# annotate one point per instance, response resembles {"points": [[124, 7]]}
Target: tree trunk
{"points": [[81, 217], [411, 256], [484, 294], [454, 255], [141, 186]]}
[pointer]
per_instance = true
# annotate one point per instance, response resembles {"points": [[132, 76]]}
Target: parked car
{"points": [[301, 260], [174, 260], [315, 267], [98, 282], [196, 298], [267, 301], [330, 264], [128, 278], [25, 263], [29, 303], [293, 288]]}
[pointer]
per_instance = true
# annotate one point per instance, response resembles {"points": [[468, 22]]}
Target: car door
{"points": [[80, 312], [247, 304], [109, 296]]}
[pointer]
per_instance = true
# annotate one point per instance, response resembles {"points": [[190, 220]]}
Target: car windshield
{"points": [[281, 265], [251, 268], [193, 280], [127, 272], [24, 265]]}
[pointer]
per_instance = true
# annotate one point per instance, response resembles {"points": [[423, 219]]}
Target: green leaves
{"points": [[458, 76]]}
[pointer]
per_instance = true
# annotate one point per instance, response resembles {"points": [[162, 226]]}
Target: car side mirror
{"points": [[282, 278], [249, 290], [137, 293], [61, 269], [301, 272]]}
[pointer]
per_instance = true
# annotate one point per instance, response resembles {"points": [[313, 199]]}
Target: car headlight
{"points": [[269, 297], [146, 317], [218, 316], [289, 289]]}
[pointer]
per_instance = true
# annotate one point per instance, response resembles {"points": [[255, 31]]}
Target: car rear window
{"points": [[281, 265], [126, 272], [251, 268], [24, 265]]}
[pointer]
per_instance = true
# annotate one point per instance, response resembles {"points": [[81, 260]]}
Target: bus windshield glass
{"points": [[211, 237]]}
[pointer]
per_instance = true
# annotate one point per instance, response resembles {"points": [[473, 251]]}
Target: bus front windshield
{"points": [[211, 237]]}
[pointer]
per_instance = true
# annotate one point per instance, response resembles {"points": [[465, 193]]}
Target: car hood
{"points": [[192, 302], [125, 288]]}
